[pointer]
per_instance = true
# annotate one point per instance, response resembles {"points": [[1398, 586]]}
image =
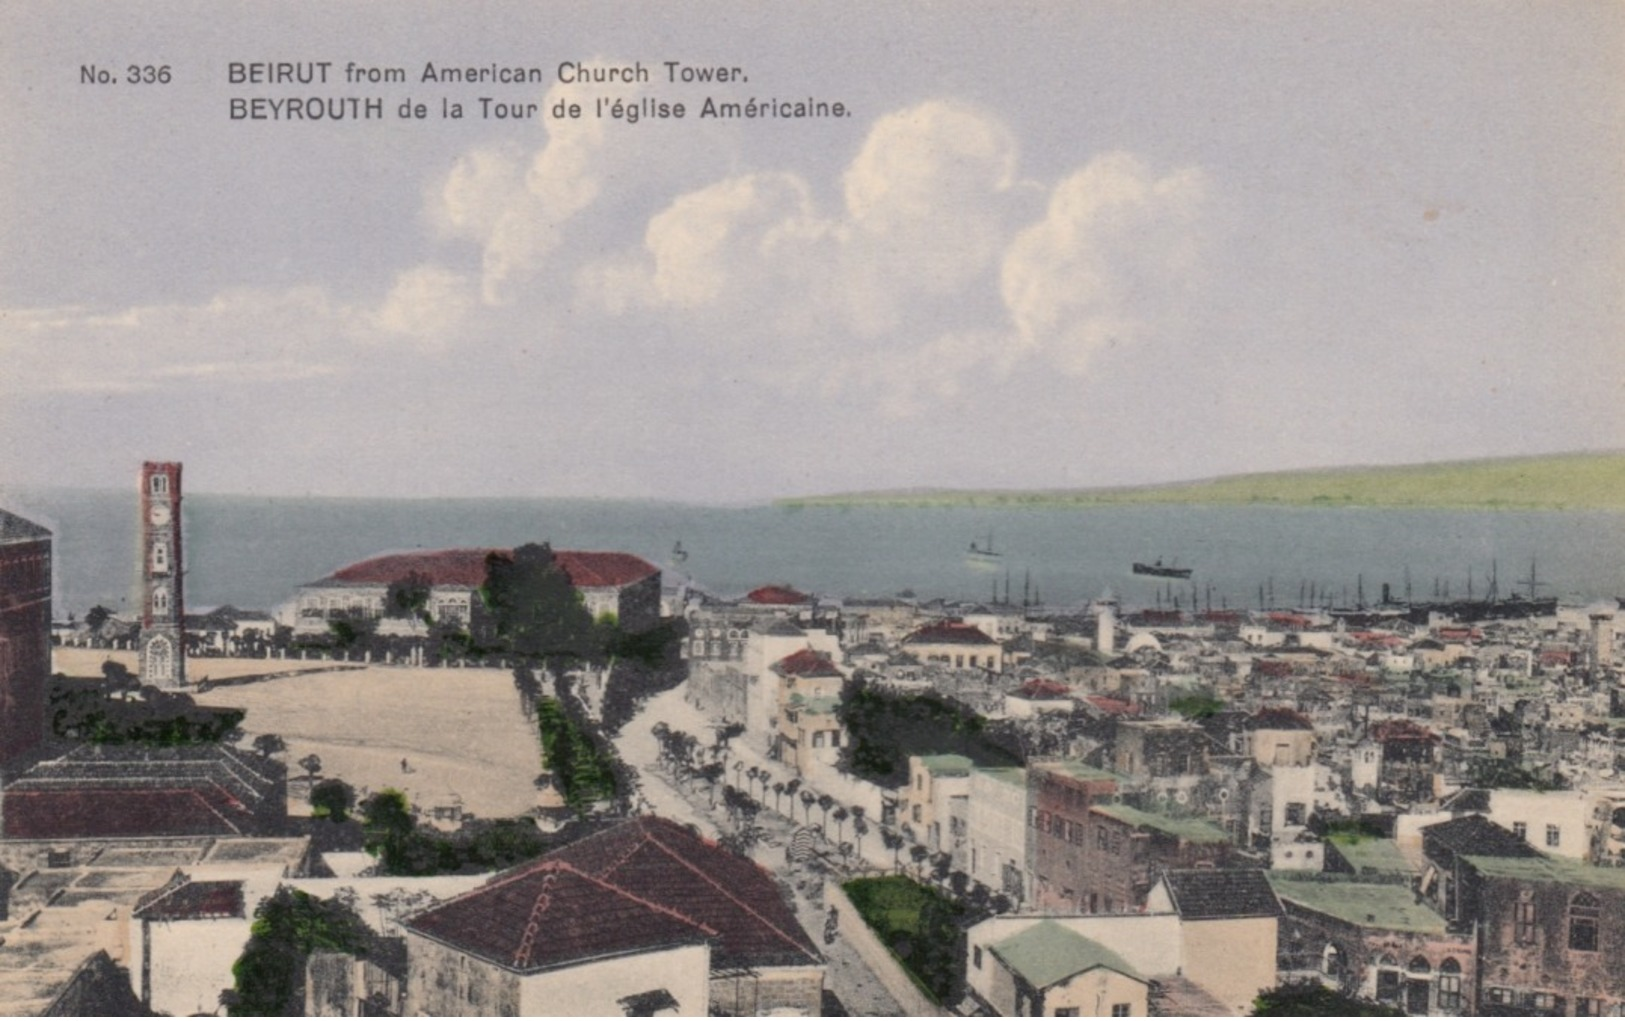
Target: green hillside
{"points": [[1556, 482]]}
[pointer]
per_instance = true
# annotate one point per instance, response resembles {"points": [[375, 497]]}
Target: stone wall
{"points": [[911, 1001]]}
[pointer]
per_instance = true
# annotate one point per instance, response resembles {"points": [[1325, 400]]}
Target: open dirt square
{"points": [[460, 733]]}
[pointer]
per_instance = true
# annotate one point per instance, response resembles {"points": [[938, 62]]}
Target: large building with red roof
{"points": [[644, 916], [620, 584]]}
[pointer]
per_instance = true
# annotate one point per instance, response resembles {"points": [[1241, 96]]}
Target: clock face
{"points": [[160, 514]]}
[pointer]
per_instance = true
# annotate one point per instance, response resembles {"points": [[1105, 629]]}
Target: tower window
{"points": [[160, 600], [160, 557], [160, 484]]}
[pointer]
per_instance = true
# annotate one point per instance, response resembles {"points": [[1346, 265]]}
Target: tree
{"points": [[1309, 998], [269, 744], [409, 596], [96, 616], [808, 800], [332, 799], [825, 803], [778, 792], [860, 826], [918, 853], [534, 608], [288, 927], [840, 822], [311, 764], [894, 843]]}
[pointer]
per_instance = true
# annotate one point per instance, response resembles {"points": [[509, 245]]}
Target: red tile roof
{"points": [[466, 568], [1402, 730], [777, 595], [1279, 718], [645, 883], [182, 900], [806, 663], [949, 632], [550, 914], [1040, 689], [1113, 706], [82, 813]]}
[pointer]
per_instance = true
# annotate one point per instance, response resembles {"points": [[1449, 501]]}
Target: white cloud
{"points": [[938, 266], [1103, 264], [427, 306]]}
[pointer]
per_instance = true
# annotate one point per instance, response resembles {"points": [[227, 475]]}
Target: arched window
{"points": [[1331, 961], [1419, 965], [1388, 979], [1450, 984], [1584, 911], [160, 484], [160, 600]]}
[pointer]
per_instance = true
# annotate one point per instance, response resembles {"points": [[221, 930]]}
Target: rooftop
{"points": [[949, 632], [1371, 855], [947, 765], [1049, 953], [18, 529], [1476, 835], [1196, 831], [466, 568], [1201, 894], [1543, 869], [1374, 905]]}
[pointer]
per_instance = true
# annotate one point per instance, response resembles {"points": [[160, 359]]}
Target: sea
{"points": [[254, 552]]}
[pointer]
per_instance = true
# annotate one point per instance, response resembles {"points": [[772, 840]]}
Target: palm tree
{"points": [[840, 821], [826, 803], [859, 827], [894, 843], [808, 799], [778, 792]]}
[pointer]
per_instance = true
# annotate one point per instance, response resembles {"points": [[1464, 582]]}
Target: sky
{"points": [[1049, 245]]}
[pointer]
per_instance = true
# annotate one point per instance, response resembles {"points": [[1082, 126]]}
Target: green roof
{"points": [[1015, 776], [947, 765], [1049, 953], [1374, 905], [1550, 870], [1078, 770], [1371, 854], [1197, 831]]}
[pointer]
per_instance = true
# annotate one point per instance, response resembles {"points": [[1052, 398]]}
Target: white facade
{"points": [[996, 832]]}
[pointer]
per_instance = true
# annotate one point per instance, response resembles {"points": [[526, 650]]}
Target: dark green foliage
{"points": [[920, 925], [409, 596], [96, 616], [288, 927], [534, 610], [886, 729], [332, 799], [88, 711], [584, 768], [1308, 998], [1506, 773], [405, 848], [1198, 705], [641, 665]]}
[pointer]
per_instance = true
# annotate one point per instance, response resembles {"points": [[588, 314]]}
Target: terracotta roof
{"points": [[1040, 689], [949, 632], [181, 900], [83, 813], [777, 595], [1201, 894], [806, 663], [1112, 706], [551, 914], [1402, 730], [645, 883], [466, 568]]}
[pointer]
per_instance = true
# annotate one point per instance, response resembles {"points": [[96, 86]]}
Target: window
{"points": [[1066, 1012], [1498, 997], [1554, 836], [1524, 920], [1584, 911], [1419, 966], [160, 557], [1520, 830], [1450, 984], [916, 813], [160, 601], [976, 958], [1588, 1006], [160, 484], [1121, 1010], [1294, 813]]}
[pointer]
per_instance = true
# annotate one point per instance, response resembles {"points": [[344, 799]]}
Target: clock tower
{"points": [[163, 643]]}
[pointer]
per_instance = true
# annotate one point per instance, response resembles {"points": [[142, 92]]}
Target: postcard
{"points": [[720, 508]]}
